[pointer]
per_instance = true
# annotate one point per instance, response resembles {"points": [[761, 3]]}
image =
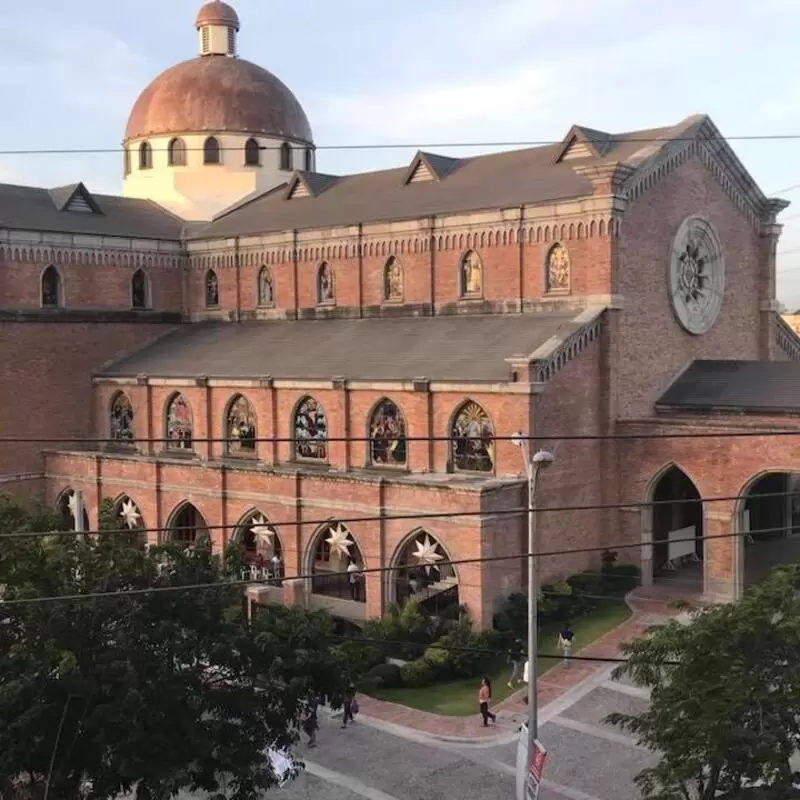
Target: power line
{"points": [[417, 516], [427, 145], [379, 570]]}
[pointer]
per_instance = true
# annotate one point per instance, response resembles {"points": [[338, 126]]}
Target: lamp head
{"points": [[543, 458]]}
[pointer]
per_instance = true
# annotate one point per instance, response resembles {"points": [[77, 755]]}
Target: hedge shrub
{"points": [[418, 674], [384, 676]]}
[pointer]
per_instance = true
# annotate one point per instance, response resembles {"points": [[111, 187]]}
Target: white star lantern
{"points": [[130, 514], [339, 540], [262, 530], [427, 552], [72, 504]]}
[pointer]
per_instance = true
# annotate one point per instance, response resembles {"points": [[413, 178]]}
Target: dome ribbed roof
{"points": [[218, 94], [217, 13]]}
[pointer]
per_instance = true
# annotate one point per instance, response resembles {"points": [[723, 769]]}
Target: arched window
{"points": [[261, 544], [423, 573], [52, 290], [240, 427], [126, 162], [188, 528], [179, 424], [252, 153], [325, 288], [211, 151], [309, 160], [337, 564], [176, 153], [393, 280], [266, 296], [212, 289], [310, 430], [472, 439], [387, 436], [127, 517], [145, 156], [120, 418], [286, 156], [140, 295], [557, 276], [471, 275]]}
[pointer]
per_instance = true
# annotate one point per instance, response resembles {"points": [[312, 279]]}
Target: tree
{"points": [[725, 696], [155, 691]]}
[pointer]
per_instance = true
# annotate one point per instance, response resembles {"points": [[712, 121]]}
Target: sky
{"points": [[420, 73]]}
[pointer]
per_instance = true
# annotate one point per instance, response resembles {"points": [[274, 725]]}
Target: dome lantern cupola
{"points": [[217, 25]]}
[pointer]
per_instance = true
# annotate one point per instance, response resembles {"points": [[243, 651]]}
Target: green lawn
{"points": [[459, 698]]}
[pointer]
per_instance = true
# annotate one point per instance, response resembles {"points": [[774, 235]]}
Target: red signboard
{"points": [[536, 759]]}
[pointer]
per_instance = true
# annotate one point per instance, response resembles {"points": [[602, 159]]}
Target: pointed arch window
{"points": [[176, 153], [240, 427], [286, 156], [211, 152], [121, 418], [252, 153], [52, 289], [145, 156], [261, 544], [472, 439], [337, 564], [188, 528], [471, 275], [424, 572], [388, 444], [140, 290], [211, 289], [127, 517], [310, 430], [179, 424], [393, 281], [325, 288]]}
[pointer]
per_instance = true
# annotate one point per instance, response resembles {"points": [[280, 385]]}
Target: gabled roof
{"points": [[309, 184], [74, 197], [429, 167], [582, 142]]}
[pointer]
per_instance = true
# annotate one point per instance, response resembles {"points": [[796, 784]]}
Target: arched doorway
{"points": [[128, 518], [335, 564], [768, 520], [676, 527], [187, 527], [261, 546], [67, 506], [422, 570]]}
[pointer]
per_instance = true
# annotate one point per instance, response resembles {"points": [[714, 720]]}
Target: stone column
{"points": [[723, 568]]}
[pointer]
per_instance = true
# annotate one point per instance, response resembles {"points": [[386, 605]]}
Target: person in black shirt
{"points": [[517, 658]]}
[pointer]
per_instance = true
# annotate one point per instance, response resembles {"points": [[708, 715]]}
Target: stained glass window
{"points": [[212, 289], [179, 424], [241, 427], [265, 289], [558, 269], [387, 435], [310, 430], [121, 418], [472, 439], [51, 288], [139, 289]]}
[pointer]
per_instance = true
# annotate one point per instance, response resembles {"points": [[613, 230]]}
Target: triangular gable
{"points": [[583, 142], [309, 184], [426, 167], [76, 198], [298, 187]]}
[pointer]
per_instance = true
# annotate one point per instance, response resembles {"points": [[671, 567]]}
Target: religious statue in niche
{"points": [[472, 440], [387, 435], [471, 275], [241, 428], [393, 289], [558, 271], [179, 425], [265, 296], [212, 289], [325, 285], [121, 419], [310, 430]]}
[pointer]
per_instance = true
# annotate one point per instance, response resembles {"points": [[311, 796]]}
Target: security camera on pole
{"points": [[530, 758]]}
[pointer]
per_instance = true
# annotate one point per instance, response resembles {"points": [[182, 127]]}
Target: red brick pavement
{"points": [[649, 606]]}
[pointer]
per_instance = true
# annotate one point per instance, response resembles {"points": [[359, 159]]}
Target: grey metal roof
{"points": [[35, 209], [458, 348], [769, 386], [499, 180]]}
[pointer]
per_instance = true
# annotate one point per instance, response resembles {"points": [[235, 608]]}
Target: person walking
{"points": [[565, 640], [311, 721], [517, 659], [484, 696], [350, 705]]}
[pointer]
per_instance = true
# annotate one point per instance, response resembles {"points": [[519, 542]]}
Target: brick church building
{"points": [[326, 368]]}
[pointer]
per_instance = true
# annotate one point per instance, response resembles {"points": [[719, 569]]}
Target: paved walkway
{"points": [[650, 606]]}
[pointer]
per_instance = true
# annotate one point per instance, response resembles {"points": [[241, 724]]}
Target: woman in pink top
{"points": [[484, 696]]}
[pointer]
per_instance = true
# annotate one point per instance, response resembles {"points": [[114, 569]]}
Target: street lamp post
{"points": [[533, 464]]}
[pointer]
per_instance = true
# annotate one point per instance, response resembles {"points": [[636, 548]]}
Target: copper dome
{"points": [[217, 13], [218, 94]]}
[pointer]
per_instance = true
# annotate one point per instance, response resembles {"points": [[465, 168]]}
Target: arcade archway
{"points": [[67, 508], [768, 520], [128, 521], [260, 545], [187, 527], [335, 563], [675, 516], [422, 571]]}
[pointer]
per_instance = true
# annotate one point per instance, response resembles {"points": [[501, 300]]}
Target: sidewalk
{"points": [[648, 607]]}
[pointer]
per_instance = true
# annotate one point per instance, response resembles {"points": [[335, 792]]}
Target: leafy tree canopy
{"points": [[150, 691], [725, 696]]}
